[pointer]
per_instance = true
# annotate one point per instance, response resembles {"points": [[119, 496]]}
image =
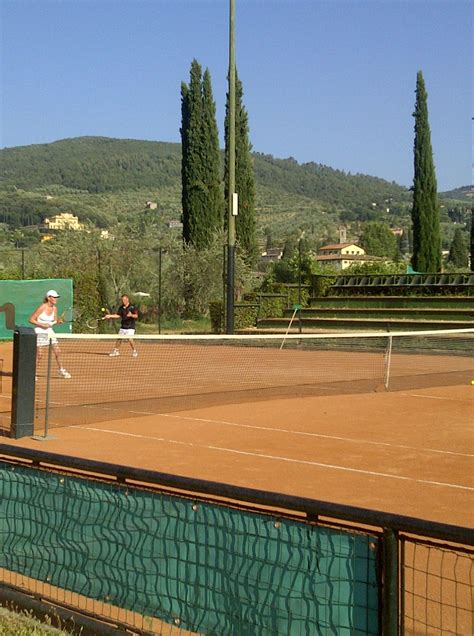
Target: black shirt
{"points": [[126, 322]]}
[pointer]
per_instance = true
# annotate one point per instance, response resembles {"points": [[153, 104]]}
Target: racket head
{"points": [[92, 323], [68, 315]]}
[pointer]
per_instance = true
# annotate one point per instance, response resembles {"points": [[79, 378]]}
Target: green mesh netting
{"points": [[209, 568]]}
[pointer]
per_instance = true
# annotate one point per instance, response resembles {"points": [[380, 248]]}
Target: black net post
{"points": [[23, 390]]}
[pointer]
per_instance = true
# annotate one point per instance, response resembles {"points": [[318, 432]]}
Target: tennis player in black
{"points": [[128, 314]]}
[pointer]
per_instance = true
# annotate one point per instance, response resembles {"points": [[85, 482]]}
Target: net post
{"points": [[48, 387], [388, 359], [45, 436], [390, 583], [24, 380]]}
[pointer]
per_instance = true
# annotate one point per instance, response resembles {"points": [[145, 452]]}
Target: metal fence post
{"points": [[160, 257], [390, 583], [388, 360]]}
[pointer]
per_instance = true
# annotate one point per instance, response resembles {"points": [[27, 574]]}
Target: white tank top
{"points": [[46, 319]]}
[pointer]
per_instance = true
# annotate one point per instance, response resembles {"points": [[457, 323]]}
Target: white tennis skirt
{"points": [[45, 336]]}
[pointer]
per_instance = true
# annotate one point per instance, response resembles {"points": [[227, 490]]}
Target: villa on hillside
{"points": [[63, 221], [343, 255]]}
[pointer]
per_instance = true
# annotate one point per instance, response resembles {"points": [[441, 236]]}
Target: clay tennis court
{"points": [[408, 450]]}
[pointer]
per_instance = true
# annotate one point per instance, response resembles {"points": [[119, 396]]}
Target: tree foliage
{"points": [[472, 240], [378, 240], [92, 164], [425, 212], [201, 194], [457, 256]]}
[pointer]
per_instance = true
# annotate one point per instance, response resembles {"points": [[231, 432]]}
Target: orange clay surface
{"points": [[408, 452]]}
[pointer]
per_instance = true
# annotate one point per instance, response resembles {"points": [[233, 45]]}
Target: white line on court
{"points": [[335, 437], [278, 458], [437, 397], [290, 432]]}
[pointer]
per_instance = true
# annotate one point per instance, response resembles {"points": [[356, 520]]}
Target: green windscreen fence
{"points": [[209, 568], [19, 299]]}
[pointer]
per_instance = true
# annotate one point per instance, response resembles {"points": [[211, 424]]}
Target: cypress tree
{"points": [[472, 240], [425, 212], [201, 195], [191, 117], [184, 160], [457, 252], [211, 164], [245, 224]]}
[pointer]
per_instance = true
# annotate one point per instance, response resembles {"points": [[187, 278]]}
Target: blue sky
{"points": [[326, 81]]}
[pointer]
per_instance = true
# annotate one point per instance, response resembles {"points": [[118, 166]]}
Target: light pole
{"points": [[232, 202], [300, 325]]}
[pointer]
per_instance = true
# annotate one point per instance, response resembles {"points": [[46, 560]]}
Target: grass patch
{"points": [[22, 623]]}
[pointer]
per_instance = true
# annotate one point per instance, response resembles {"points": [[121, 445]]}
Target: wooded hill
{"points": [[102, 180]]}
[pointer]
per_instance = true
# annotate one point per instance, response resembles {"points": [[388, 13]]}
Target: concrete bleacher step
{"points": [[368, 324], [408, 313], [386, 302]]}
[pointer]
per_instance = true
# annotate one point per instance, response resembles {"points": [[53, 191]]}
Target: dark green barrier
{"points": [[205, 567], [19, 299]]}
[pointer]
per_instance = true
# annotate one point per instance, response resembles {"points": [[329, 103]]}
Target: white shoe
{"points": [[135, 354], [64, 374], [114, 353]]}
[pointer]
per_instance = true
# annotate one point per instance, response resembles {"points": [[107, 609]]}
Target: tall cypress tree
{"points": [[245, 225], [211, 161], [425, 213], [184, 130], [191, 118], [458, 252], [472, 240], [201, 196]]}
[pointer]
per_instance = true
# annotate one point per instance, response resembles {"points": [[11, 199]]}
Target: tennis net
{"points": [[172, 373]]}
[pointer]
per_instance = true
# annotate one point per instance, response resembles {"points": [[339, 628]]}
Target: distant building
{"points": [[343, 255], [272, 254], [63, 221], [397, 231], [175, 224], [151, 205]]}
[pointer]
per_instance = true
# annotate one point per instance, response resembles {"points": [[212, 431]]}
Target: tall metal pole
{"points": [[231, 188], [300, 325], [160, 259]]}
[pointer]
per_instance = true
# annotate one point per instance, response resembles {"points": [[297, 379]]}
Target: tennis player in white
{"points": [[128, 314], [43, 318]]}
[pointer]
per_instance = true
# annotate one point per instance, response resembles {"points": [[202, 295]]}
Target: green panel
{"points": [[210, 569], [19, 299]]}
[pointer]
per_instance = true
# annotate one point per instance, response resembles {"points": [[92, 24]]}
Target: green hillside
{"points": [[100, 164], [104, 180], [465, 193]]}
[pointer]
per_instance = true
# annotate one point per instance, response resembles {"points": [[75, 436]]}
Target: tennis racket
{"points": [[93, 323], [69, 315]]}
